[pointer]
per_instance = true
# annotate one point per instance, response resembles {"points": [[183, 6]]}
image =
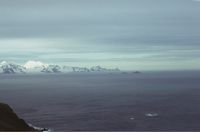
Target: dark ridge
{"points": [[9, 121]]}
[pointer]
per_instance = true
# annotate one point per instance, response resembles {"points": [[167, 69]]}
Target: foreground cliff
{"points": [[9, 121]]}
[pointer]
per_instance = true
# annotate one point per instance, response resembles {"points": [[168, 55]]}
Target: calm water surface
{"points": [[148, 101]]}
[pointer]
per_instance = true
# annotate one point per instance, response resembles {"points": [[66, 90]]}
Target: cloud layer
{"points": [[140, 34]]}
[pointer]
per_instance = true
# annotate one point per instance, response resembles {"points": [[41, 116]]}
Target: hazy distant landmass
{"points": [[39, 67]]}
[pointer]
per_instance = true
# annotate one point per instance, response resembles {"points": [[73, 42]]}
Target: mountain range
{"points": [[39, 67]]}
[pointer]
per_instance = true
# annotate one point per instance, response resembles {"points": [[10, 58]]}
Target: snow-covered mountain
{"points": [[34, 65], [52, 69], [39, 67], [75, 69], [101, 69], [11, 68]]}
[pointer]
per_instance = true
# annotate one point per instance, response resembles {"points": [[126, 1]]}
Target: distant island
{"points": [[137, 72]]}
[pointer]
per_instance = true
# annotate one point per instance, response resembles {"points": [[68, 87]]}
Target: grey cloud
{"points": [[118, 27]]}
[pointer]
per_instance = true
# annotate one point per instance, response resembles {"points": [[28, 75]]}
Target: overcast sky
{"points": [[129, 34]]}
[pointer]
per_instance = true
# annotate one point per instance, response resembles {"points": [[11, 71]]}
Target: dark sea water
{"points": [[127, 102]]}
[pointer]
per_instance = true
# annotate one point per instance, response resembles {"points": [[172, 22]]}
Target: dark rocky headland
{"points": [[9, 121]]}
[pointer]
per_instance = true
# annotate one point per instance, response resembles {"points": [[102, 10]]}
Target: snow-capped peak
{"points": [[3, 63], [34, 64]]}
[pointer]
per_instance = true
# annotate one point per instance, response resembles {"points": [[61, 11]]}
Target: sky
{"points": [[128, 34]]}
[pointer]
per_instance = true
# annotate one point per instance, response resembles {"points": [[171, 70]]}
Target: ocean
{"points": [[148, 101]]}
